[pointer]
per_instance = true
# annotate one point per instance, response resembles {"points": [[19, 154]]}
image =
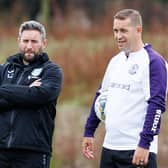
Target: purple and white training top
{"points": [[136, 89]]}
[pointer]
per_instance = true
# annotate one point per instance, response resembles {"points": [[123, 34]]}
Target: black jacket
{"points": [[27, 113]]}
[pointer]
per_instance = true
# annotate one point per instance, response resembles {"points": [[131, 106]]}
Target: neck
{"points": [[138, 46], [134, 48], [25, 62]]}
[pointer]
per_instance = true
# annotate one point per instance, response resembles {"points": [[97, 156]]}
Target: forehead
{"points": [[118, 23], [32, 34]]}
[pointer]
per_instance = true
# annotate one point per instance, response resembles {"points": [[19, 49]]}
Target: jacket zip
{"points": [[12, 115], [11, 132]]}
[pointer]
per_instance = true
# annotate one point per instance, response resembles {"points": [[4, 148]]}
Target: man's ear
{"points": [[45, 42], [18, 40], [139, 29]]}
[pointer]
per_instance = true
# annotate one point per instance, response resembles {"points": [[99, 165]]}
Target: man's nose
{"points": [[29, 45], [119, 35]]}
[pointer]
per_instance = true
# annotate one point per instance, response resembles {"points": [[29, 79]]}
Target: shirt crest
{"points": [[35, 73], [133, 69]]}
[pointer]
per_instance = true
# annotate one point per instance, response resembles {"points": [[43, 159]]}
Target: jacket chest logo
{"points": [[133, 69], [35, 73], [10, 74]]}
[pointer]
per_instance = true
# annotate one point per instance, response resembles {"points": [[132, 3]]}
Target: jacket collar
{"points": [[17, 60]]}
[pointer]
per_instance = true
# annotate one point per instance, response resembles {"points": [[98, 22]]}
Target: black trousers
{"points": [[123, 159], [16, 158]]}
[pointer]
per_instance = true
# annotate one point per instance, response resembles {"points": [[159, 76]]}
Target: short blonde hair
{"points": [[132, 14]]}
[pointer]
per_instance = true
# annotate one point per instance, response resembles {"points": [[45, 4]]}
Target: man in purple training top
{"points": [[136, 82]]}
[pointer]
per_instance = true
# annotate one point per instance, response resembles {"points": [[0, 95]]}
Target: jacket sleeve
{"points": [[92, 120], [36, 95], [156, 102], [5, 105]]}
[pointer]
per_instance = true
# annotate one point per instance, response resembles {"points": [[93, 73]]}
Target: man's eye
{"points": [[115, 31], [25, 41], [34, 41], [123, 30]]}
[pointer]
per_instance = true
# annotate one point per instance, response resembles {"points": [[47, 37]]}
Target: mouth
{"points": [[121, 43], [29, 53]]}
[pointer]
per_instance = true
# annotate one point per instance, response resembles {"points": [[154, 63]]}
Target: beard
{"points": [[30, 60], [29, 56]]}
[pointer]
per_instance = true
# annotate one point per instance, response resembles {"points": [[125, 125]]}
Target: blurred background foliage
{"points": [[81, 41]]}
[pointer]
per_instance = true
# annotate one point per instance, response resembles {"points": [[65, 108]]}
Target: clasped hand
{"points": [[36, 83]]}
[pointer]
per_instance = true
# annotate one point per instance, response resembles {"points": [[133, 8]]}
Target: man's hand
{"points": [[87, 147], [36, 83], [140, 156]]}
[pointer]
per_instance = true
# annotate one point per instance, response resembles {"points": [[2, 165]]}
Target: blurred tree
{"points": [[32, 8], [19, 10], [95, 8], [44, 12], [58, 9], [163, 1], [5, 4]]}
